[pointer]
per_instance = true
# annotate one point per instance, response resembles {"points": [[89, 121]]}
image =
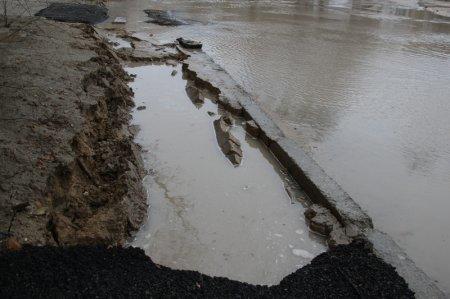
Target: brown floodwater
{"points": [[205, 214], [363, 86]]}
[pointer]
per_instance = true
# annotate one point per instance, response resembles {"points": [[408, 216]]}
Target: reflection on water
{"points": [[362, 85], [205, 214]]}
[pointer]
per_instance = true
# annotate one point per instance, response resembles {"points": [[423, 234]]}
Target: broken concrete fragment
{"points": [[252, 128], [193, 93], [171, 62], [229, 144], [235, 159], [338, 237], [321, 220], [229, 147], [120, 20], [189, 44], [232, 106], [163, 18], [227, 119]]}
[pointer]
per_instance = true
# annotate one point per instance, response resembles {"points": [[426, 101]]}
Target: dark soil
{"points": [[75, 13], [348, 271]]}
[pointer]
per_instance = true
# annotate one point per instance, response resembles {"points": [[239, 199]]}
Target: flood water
{"points": [[363, 86], [205, 214]]}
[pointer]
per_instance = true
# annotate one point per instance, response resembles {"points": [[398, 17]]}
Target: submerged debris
{"points": [[120, 20], [162, 17], [229, 145], [75, 13], [252, 128]]}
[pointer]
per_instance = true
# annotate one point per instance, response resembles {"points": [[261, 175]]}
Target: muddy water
{"points": [[205, 214], [362, 85]]}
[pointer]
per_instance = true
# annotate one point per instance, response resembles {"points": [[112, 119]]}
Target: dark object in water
{"points": [[162, 17], [189, 44], [75, 13], [348, 271]]}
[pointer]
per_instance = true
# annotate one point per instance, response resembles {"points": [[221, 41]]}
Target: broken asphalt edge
{"points": [[320, 187]]}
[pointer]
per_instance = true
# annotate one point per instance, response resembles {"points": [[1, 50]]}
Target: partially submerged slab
{"points": [[229, 145], [163, 18], [75, 13]]}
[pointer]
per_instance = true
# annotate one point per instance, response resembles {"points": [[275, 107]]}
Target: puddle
{"points": [[204, 213]]}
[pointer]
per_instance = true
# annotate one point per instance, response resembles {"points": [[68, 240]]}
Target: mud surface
{"points": [[347, 272], [65, 147], [75, 13]]}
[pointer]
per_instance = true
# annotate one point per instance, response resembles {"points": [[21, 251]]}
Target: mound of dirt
{"points": [[75, 13], [348, 271]]}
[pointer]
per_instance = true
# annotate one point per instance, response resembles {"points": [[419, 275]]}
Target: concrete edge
{"points": [[389, 251], [319, 187]]}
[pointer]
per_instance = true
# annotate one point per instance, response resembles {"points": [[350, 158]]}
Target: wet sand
{"points": [[206, 214], [362, 86]]}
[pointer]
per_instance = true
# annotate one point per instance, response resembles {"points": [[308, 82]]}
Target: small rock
{"points": [[141, 108], [174, 72], [210, 113], [252, 128], [338, 237], [120, 20], [171, 62], [12, 244], [320, 219]]}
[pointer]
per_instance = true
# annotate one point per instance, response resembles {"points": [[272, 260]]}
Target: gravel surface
{"points": [[350, 271]]}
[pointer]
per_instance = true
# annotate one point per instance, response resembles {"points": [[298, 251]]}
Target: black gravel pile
{"points": [[346, 272], [75, 13]]}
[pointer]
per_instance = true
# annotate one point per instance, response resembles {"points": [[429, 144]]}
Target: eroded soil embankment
{"points": [[67, 152]]}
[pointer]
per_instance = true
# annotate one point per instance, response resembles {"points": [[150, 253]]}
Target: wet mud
{"points": [[67, 152]]}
